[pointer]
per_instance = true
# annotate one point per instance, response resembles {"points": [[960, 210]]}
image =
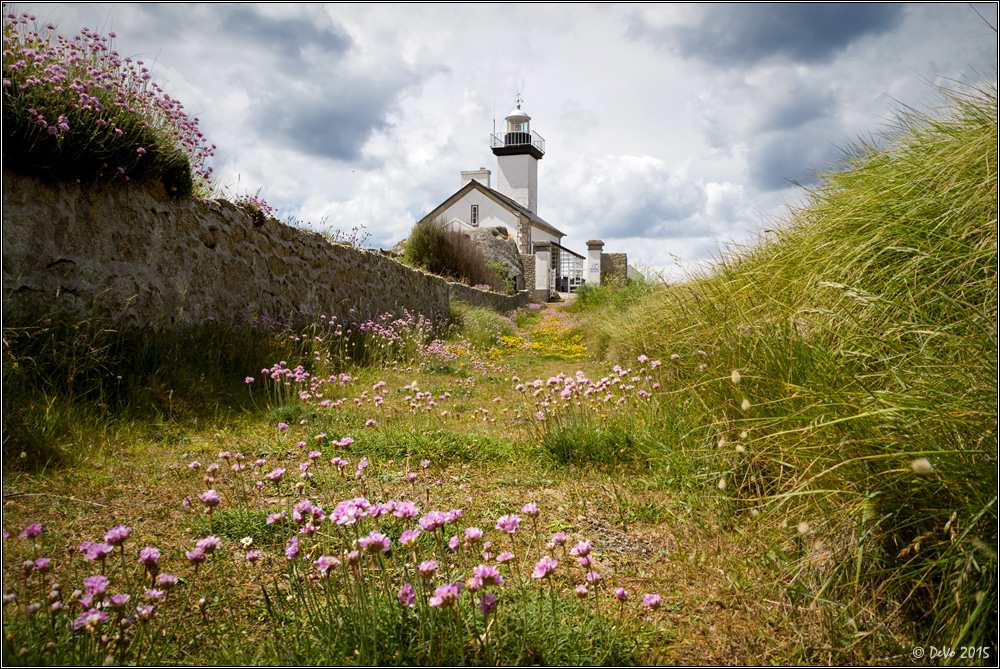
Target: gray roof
{"points": [[513, 206]]}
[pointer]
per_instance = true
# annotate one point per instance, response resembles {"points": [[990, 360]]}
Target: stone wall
{"points": [[484, 298], [614, 268], [528, 262], [132, 251]]}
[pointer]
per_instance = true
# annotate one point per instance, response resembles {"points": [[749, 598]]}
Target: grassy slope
{"points": [[865, 333]]}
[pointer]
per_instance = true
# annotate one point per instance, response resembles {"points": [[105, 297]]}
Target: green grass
{"points": [[864, 331], [393, 635], [480, 326]]}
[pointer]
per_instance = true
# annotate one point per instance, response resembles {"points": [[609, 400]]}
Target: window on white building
{"points": [[474, 220]]}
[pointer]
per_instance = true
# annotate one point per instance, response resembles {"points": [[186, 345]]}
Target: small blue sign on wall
{"points": [[594, 267]]}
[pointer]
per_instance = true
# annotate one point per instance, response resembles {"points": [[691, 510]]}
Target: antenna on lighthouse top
{"points": [[519, 100]]}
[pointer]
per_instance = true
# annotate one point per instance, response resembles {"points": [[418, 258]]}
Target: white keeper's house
{"points": [[513, 204]]}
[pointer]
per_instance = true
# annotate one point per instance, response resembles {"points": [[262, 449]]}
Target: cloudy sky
{"points": [[671, 130]]}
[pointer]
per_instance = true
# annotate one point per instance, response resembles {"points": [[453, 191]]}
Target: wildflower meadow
{"points": [[790, 459]]}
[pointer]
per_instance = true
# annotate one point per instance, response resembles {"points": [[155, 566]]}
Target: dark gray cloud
{"points": [[795, 108], [307, 89], [333, 122], [780, 160], [747, 34], [241, 27], [291, 38]]}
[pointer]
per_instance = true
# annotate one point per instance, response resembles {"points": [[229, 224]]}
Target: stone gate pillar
{"points": [[593, 270]]}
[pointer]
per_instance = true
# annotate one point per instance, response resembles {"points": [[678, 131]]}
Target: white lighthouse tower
{"points": [[518, 151]]}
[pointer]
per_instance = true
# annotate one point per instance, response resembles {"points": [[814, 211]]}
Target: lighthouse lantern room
{"points": [[518, 151]]}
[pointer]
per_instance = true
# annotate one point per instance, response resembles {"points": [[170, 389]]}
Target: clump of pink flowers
{"points": [[82, 111]]}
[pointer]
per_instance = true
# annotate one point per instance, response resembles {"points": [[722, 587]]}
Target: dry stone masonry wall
{"points": [[614, 268], [155, 261]]}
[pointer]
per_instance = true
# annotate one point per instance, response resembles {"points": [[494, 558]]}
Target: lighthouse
{"points": [[511, 206], [518, 150]]}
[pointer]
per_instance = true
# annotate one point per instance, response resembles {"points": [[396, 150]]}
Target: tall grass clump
{"points": [[450, 254], [75, 109], [846, 369], [612, 294]]}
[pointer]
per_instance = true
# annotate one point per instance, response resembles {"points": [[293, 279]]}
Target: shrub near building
{"points": [[449, 254]]}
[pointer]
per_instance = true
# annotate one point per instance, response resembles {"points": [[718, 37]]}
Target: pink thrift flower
{"points": [[96, 585], [210, 498], [197, 556], [118, 602], [544, 567], [166, 581], [31, 531], [90, 621], [117, 535], [487, 604], [446, 595], [427, 568], [148, 556], [325, 563], [292, 548], [508, 523], [375, 542], [209, 544], [406, 595], [651, 601], [488, 574], [409, 538], [97, 551], [432, 520]]}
